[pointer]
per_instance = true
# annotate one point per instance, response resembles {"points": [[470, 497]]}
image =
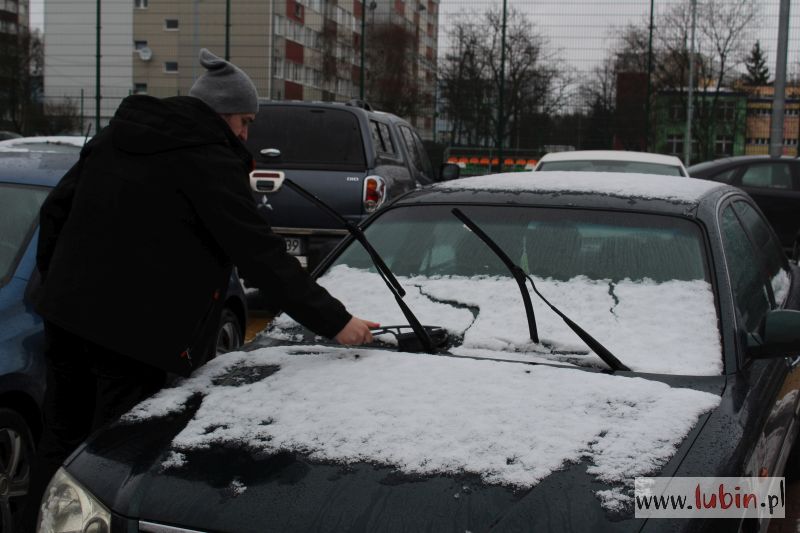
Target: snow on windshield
{"points": [[668, 327], [511, 424], [626, 185]]}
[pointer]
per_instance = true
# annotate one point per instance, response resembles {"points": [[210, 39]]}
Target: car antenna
{"points": [[520, 276], [383, 270], [88, 129]]}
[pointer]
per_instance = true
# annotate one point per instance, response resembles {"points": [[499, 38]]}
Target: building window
{"points": [[723, 145], [726, 110], [792, 112], [171, 24], [139, 88], [790, 142], [758, 141], [675, 144], [170, 66], [677, 112], [138, 45], [140, 4]]}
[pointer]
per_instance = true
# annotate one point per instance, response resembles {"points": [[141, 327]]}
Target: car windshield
{"points": [[639, 283], [19, 209], [600, 165], [559, 244]]}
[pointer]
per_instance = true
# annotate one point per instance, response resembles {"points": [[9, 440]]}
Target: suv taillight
{"points": [[374, 193]]}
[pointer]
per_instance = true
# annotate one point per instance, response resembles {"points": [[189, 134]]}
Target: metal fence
{"points": [[572, 75]]}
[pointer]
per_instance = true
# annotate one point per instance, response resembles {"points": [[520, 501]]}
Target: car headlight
{"points": [[69, 508]]}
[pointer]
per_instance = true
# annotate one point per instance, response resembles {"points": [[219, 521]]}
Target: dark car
{"points": [[29, 169], [774, 183], [516, 421], [352, 157]]}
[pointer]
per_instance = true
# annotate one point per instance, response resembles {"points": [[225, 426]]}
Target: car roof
{"points": [[38, 160], [612, 155], [605, 190], [739, 159]]}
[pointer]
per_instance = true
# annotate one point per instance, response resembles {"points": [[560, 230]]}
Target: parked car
{"points": [[352, 157], [513, 423], [612, 161], [774, 183], [29, 168]]}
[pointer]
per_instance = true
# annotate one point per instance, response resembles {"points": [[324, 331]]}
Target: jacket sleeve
{"points": [[53, 215], [221, 197]]}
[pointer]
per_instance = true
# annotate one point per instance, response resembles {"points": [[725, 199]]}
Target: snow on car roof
{"points": [[21, 143], [612, 155], [623, 185], [509, 423]]}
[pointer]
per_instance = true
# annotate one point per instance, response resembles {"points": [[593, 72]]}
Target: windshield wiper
{"points": [[386, 275], [520, 276]]}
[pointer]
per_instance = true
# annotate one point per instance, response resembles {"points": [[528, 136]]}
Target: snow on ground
{"points": [[509, 423], [672, 188], [666, 327]]}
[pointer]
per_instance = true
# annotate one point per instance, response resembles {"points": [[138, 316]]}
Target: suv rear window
{"points": [[310, 138]]}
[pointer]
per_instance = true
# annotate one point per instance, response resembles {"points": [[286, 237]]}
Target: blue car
{"points": [[29, 169]]}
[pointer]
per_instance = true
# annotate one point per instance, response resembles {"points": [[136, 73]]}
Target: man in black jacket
{"points": [[136, 248]]}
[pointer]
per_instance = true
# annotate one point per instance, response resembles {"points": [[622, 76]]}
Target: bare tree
{"points": [[391, 80], [533, 85]]}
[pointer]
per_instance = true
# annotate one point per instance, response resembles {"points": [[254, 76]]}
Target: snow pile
{"points": [[511, 424], [668, 327], [626, 185]]}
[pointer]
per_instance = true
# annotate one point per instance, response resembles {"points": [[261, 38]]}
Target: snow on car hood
{"points": [[511, 424], [668, 327], [625, 185]]}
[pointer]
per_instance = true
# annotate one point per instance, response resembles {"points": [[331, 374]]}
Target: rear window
{"points": [[612, 166], [310, 138]]}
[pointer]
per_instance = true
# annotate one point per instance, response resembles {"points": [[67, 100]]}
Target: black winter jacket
{"points": [[137, 241]]}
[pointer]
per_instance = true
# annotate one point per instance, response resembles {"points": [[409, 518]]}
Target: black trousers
{"points": [[88, 386]]}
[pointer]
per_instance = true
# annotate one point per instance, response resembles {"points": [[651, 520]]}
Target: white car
{"points": [[613, 161]]}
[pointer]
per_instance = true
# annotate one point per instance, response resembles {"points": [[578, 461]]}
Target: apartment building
{"points": [[292, 49]]}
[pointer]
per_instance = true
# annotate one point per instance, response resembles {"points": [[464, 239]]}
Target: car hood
{"points": [[235, 490], [252, 443]]}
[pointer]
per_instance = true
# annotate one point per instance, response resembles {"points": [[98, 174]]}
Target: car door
{"points": [[760, 277], [775, 186]]}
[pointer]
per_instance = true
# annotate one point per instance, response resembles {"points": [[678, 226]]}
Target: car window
{"points": [[746, 274], [413, 153], [768, 175], [423, 156], [776, 266], [19, 210], [382, 138], [548, 243], [315, 138], [612, 166], [725, 176]]}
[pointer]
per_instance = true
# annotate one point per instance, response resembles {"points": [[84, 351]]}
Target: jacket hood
{"points": [[148, 125]]}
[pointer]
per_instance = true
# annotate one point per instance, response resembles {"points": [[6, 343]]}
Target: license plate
{"points": [[295, 245]]}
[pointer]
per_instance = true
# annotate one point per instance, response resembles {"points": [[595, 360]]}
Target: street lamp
{"points": [[372, 6]]}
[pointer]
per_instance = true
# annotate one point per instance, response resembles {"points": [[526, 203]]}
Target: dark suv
{"points": [[348, 155]]}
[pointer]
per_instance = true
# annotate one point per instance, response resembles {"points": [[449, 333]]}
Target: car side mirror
{"points": [[778, 335], [449, 171]]}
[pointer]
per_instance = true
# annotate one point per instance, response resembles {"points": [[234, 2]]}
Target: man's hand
{"points": [[356, 332]]}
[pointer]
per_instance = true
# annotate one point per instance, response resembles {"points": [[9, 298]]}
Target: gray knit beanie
{"points": [[225, 87]]}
